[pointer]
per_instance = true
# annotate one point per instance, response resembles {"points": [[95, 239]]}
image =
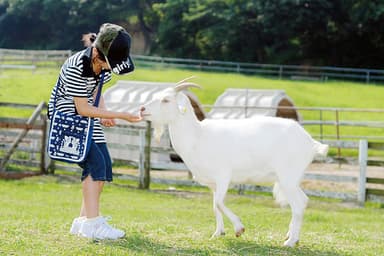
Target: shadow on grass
{"points": [[138, 244], [252, 248]]}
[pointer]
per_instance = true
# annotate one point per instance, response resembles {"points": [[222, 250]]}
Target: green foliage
{"points": [[54, 24], [166, 223], [320, 32], [302, 32]]}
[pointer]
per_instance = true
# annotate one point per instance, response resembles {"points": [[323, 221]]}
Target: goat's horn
{"points": [[183, 86], [185, 79]]}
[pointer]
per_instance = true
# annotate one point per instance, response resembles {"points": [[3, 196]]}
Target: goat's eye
{"points": [[164, 100]]}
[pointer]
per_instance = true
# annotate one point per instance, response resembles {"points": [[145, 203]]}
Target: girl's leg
{"points": [[91, 197]]}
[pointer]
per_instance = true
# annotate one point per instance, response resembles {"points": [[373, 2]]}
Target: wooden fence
{"points": [[30, 59], [27, 137], [23, 144]]}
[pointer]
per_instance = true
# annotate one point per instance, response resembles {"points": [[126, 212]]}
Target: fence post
{"points": [[141, 158], [363, 153], [338, 136], [280, 72], [144, 157], [13, 147], [49, 164], [147, 154], [44, 140], [321, 125]]}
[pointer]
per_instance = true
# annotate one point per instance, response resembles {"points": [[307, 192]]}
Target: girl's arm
{"points": [[84, 109]]}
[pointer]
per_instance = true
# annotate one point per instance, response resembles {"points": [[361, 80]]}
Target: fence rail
{"points": [[37, 121], [29, 59], [297, 72], [332, 118]]}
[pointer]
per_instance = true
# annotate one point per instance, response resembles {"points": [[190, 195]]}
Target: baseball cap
{"points": [[114, 42]]}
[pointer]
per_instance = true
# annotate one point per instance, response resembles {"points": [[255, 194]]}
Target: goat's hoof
{"points": [[287, 236], [240, 232], [291, 243], [217, 234]]}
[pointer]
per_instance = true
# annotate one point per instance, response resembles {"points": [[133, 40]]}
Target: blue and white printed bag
{"points": [[70, 136]]}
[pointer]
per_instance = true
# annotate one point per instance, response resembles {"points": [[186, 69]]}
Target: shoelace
{"points": [[107, 218], [105, 231]]}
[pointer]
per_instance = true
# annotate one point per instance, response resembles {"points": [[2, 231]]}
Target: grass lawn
{"points": [[36, 213], [25, 87]]}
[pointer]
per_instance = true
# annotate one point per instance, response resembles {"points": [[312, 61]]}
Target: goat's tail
{"points": [[279, 195], [320, 149]]}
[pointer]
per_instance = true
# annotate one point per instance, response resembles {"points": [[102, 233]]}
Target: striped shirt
{"points": [[77, 79]]}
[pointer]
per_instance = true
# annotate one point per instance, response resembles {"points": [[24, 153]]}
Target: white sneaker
{"points": [[107, 218], [76, 225], [99, 229]]}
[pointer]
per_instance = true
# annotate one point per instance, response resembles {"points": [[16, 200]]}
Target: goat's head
{"points": [[166, 106]]}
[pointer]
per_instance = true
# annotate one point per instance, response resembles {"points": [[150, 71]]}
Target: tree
{"points": [[304, 32]]}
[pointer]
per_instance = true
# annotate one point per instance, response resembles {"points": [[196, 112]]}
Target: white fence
{"points": [[298, 72]]}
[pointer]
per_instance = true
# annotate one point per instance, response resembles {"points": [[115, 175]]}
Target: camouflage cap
{"points": [[114, 42]]}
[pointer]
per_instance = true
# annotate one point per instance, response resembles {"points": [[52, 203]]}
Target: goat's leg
{"points": [[221, 191], [297, 200], [219, 218]]}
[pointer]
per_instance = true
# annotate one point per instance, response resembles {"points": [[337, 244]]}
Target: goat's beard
{"points": [[158, 130]]}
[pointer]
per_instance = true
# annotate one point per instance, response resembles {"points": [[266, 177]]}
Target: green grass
{"points": [[27, 87], [36, 213]]}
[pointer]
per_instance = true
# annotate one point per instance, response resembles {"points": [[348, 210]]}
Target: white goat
{"points": [[220, 152]]}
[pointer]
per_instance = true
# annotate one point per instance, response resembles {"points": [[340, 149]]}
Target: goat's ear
{"points": [[182, 102], [158, 130]]}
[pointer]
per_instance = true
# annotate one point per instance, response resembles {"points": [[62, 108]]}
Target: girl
{"points": [[76, 88]]}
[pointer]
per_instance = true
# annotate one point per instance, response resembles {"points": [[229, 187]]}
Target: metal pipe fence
{"points": [[338, 118], [297, 72]]}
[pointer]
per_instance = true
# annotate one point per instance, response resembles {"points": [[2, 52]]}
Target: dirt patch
{"points": [[349, 170], [316, 168], [17, 175], [344, 169]]}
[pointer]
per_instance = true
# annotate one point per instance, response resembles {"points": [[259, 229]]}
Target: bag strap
{"points": [[97, 100]]}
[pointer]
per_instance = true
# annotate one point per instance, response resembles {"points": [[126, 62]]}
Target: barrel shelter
{"points": [[247, 103]]}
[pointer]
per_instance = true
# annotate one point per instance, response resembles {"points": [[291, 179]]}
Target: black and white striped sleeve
{"points": [[76, 85]]}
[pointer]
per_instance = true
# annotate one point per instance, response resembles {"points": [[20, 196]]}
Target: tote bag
{"points": [[70, 136]]}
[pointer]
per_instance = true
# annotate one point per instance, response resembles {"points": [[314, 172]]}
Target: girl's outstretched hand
{"points": [[132, 118], [108, 122]]}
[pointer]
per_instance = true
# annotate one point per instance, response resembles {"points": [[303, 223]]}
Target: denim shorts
{"points": [[98, 163]]}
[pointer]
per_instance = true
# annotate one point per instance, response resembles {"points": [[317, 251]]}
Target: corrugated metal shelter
{"points": [[128, 96], [245, 103]]}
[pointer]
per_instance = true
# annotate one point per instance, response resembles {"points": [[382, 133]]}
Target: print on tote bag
{"points": [[69, 137]]}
